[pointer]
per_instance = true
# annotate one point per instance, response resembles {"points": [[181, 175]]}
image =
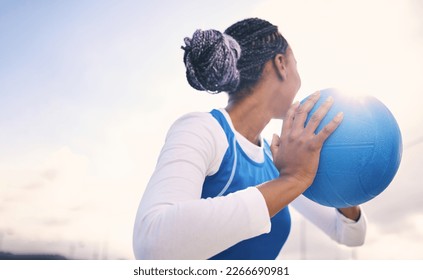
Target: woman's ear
{"points": [[279, 64]]}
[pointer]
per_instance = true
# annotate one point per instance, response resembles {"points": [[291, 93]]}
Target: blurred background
{"points": [[88, 90]]}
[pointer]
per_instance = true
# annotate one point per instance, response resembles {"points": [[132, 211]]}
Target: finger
{"points": [[303, 110], [274, 146], [318, 115], [289, 118], [329, 128]]}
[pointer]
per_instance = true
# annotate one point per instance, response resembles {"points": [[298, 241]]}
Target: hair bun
{"points": [[210, 59]]}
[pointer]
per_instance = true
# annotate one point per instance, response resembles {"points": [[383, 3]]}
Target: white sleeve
{"points": [[172, 221], [338, 227]]}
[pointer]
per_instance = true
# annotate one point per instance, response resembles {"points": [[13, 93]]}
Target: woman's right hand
{"points": [[296, 152]]}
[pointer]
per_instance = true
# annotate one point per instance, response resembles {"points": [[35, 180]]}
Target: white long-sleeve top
{"points": [[174, 222]]}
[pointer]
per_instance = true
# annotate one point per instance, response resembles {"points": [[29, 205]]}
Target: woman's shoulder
{"points": [[199, 128], [202, 133], [197, 123], [196, 118]]}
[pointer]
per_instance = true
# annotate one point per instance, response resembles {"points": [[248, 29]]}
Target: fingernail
{"points": [[330, 99]]}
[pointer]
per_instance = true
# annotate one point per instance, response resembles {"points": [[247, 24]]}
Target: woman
{"points": [[219, 191]]}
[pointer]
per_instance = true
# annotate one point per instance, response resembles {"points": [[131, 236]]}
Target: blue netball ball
{"points": [[360, 159]]}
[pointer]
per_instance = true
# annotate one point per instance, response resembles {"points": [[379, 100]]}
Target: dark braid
{"points": [[232, 61], [259, 41], [210, 58]]}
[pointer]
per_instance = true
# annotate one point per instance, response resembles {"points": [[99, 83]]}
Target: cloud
{"points": [[399, 245], [58, 203], [34, 189]]}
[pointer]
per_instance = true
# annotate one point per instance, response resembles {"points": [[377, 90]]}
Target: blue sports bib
{"points": [[237, 172]]}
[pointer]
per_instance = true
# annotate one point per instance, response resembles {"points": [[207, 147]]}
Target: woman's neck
{"points": [[249, 117]]}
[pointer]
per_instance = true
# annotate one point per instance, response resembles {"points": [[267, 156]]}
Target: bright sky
{"points": [[88, 90]]}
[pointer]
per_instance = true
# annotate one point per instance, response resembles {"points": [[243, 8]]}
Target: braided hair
{"points": [[232, 61]]}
